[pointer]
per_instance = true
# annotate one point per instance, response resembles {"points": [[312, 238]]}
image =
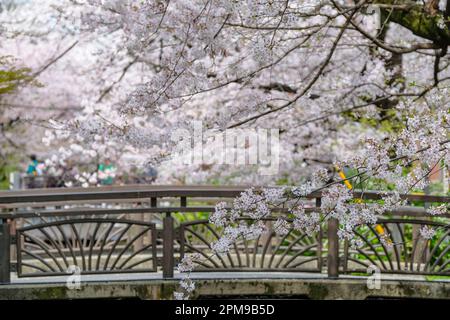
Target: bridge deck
{"points": [[205, 276], [228, 285]]}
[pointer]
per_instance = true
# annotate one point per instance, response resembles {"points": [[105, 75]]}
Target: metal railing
{"points": [[44, 232]]}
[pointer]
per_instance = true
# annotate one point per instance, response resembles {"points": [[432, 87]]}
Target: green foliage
{"points": [[437, 278], [418, 20], [11, 77], [181, 217], [283, 180], [6, 167], [389, 122]]}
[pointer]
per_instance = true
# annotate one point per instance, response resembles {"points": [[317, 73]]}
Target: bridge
{"points": [[125, 242]]}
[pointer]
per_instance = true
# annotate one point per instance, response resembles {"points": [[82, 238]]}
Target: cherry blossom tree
{"points": [[325, 73], [362, 85], [62, 70], [30, 101]]}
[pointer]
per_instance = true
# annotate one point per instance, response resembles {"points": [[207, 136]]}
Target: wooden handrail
{"points": [[118, 192], [76, 211], [149, 191]]}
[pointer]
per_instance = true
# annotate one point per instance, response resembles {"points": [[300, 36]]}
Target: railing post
{"points": [[5, 267], [168, 252], [183, 202], [333, 248], [320, 239], [153, 202]]}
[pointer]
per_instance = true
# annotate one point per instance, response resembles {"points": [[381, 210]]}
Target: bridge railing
{"points": [[45, 232]]}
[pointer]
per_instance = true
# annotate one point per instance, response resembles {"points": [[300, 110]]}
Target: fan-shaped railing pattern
{"points": [[94, 245], [295, 251], [402, 250], [82, 229]]}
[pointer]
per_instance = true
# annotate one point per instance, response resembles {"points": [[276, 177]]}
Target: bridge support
{"points": [[168, 252], [333, 248], [5, 272]]}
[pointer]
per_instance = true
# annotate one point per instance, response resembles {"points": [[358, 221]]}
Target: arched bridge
{"points": [[126, 241]]}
